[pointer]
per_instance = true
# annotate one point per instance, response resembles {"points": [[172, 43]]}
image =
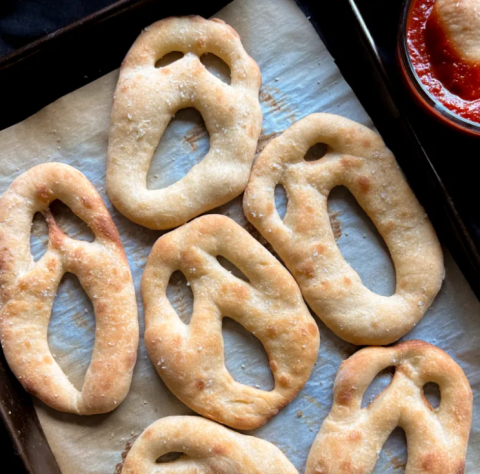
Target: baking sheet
{"points": [[299, 77]]}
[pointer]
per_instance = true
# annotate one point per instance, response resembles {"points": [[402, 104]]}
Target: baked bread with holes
{"points": [[351, 437], [190, 358], [146, 99], [358, 159], [28, 290], [205, 447]]}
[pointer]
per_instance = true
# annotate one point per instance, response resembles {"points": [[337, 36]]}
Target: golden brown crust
{"points": [[207, 448], [352, 437], [358, 159], [190, 358], [28, 290], [147, 97]]}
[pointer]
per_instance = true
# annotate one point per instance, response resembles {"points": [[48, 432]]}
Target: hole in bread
{"points": [[217, 67], [431, 392], [316, 152], [281, 201], [393, 457], [169, 457], [360, 242], [381, 381], [69, 223], [71, 330], [235, 271], [183, 145], [38, 237], [169, 59], [245, 356], [180, 296]]}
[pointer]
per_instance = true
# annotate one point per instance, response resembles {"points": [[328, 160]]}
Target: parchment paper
{"points": [[299, 77]]}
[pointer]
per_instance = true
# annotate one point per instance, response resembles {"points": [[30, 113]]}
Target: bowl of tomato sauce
{"points": [[439, 55]]}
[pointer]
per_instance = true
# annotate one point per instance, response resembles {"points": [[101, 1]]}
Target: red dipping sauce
{"points": [[445, 75]]}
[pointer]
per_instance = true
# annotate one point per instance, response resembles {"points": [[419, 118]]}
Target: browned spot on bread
{"points": [[107, 383], [345, 396], [220, 449], [428, 462], [47, 359], [320, 249], [105, 226], [44, 192], [252, 131], [240, 291], [366, 142], [325, 285], [52, 264], [389, 227], [28, 344], [5, 258], [346, 162], [271, 331], [201, 42], [347, 281], [24, 285], [269, 208], [349, 162], [55, 235], [88, 202], [200, 384], [355, 435], [364, 184], [284, 380], [101, 307], [306, 268], [273, 365]]}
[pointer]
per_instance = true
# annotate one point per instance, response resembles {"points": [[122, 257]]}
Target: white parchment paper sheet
{"points": [[299, 77]]}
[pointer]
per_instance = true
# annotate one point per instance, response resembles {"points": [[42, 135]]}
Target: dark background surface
{"points": [[452, 154], [23, 21]]}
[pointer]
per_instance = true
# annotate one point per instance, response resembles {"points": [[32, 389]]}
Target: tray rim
{"points": [[123, 7]]}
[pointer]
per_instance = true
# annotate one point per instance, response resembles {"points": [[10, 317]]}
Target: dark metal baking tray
{"points": [[361, 36]]}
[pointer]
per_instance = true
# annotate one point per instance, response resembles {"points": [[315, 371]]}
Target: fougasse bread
{"points": [[206, 447], [351, 437], [28, 290], [146, 99], [356, 158], [190, 357]]}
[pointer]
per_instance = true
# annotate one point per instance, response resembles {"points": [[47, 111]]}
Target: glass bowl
{"points": [[417, 89]]}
